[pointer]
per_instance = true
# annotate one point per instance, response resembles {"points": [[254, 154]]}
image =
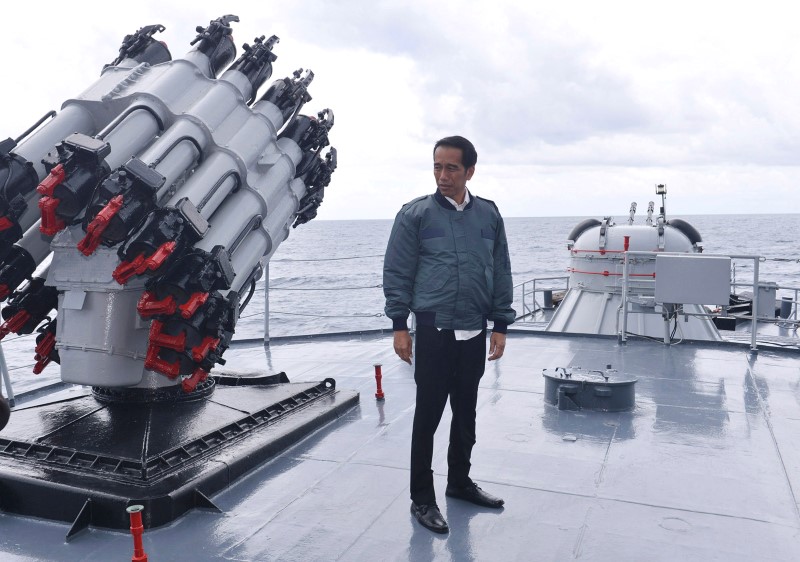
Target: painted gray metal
{"points": [[35, 243], [598, 390], [102, 341], [220, 160], [72, 118], [706, 467], [694, 279], [130, 459], [130, 136], [604, 274]]}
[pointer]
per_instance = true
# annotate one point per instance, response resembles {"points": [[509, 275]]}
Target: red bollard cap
{"points": [[379, 394]]}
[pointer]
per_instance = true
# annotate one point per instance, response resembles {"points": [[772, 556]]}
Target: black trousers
{"points": [[444, 367]]}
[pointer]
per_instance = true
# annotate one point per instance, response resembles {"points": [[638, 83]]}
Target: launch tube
{"points": [[30, 217], [150, 245], [207, 187], [80, 163], [175, 151], [282, 100], [128, 138], [264, 240], [36, 244], [248, 203], [204, 188], [215, 47], [254, 67], [271, 111], [248, 253], [215, 178], [211, 111], [255, 138], [73, 118], [229, 218]]}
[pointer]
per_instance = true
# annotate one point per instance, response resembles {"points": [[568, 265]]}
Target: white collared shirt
{"points": [[463, 204], [463, 334]]}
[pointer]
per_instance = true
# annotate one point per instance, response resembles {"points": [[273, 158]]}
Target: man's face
{"points": [[451, 176]]}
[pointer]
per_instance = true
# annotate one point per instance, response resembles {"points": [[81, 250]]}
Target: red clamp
{"points": [[148, 305], [98, 225], [192, 304], [160, 339], [43, 351], [47, 204], [5, 223], [53, 179], [158, 257], [140, 264], [190, 383], [4, 291], [50, 224], [127, 269], [153, 362], [201, 350], [14, 323]]}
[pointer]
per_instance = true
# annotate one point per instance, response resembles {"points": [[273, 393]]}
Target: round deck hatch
{"points": [[573, 388]]}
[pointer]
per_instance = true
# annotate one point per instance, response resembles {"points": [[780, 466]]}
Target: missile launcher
{"points": [[131, 224], [157, 194]]}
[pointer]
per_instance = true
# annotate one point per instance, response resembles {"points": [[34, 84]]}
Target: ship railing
{"points": [[754, 317], [6, 378], [539, 286], [788, 304]]}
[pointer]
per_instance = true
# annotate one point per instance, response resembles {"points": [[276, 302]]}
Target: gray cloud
{"points": [[557, 98]]}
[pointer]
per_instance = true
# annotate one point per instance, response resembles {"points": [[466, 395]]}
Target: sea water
{"points": [[326, 276]]}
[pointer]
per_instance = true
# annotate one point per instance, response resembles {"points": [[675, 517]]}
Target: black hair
{"points": [[469, 156]]}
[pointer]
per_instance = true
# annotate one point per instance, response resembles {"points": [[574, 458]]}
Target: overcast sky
{"points": [[576, 108]]}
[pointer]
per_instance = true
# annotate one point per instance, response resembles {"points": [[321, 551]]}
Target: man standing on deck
{"points": [[447, 261]]}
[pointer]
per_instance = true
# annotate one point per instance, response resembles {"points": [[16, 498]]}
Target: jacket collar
{"points": [[443, 202]]}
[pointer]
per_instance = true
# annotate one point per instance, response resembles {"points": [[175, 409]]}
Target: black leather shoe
{"points": [[430, 517], [474, 494]]}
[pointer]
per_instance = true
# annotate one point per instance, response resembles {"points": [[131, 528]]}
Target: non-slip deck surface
{"points": [[707, 466]]}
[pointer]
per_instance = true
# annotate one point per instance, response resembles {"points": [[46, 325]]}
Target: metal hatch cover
{"points": [[573, 388]]}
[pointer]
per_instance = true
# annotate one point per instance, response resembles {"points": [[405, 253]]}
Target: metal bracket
{"points": [[82, 521]]}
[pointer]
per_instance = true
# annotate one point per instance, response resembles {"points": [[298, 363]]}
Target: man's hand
{"points": [[402, 345], [497, 344]]}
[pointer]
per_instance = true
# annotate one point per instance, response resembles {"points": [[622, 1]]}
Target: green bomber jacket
{"points": [[451, 268]]}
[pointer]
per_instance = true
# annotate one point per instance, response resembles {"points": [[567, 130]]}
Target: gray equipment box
{"points": [[693, 279], [766, 299]]}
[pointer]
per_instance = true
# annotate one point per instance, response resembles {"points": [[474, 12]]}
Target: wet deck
{"points": [[706, 467]]}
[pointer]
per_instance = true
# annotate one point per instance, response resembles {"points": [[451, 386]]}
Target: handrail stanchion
{"points": [[754, 329], [266, 303], [525, 310], [624, 334], [6, 378], [530, 309]]}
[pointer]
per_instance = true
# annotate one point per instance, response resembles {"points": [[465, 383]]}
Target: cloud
{"points": [[573, 106]]}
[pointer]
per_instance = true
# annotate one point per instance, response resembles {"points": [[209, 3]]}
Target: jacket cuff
{"points": [[399, 324], [500, 327]]}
